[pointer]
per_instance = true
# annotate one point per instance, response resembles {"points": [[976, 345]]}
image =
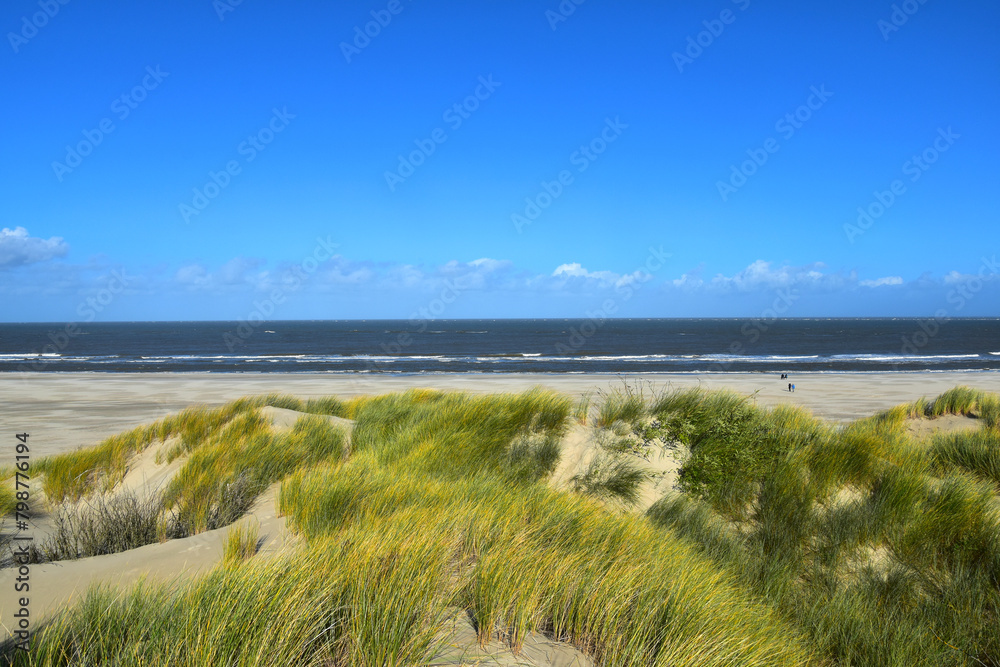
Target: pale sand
{"points": [[67, 410], [54, 584]]}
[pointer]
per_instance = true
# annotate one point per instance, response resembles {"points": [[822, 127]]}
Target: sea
{"points": [[616, 346]]}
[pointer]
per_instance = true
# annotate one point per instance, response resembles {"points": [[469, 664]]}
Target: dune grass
{"points": [[792, 541], [8, 496], [960, 400], [232, 456], [977, 452], [955, 401], [525, 558], [71, 476], [611, 478], [242, 543], [581, 411], [884, 551], [223, 476], [102, 525]]}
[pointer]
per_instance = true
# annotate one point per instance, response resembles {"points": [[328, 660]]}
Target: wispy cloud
{"points": [[18, 248], [499, 284], [882, 282]]}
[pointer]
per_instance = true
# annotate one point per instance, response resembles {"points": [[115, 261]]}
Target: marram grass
{"points": [[242, 543], [885, 551], [792, 542], [74, 475]]}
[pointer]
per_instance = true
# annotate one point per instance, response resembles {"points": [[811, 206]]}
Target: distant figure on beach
{"points": [[789, 386], [793, 388]]}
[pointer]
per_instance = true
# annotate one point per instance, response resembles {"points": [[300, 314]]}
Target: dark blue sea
{"points": [[506, 346]]}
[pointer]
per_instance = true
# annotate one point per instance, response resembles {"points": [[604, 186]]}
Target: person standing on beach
{"points": [[789, 386], [793, 388]]}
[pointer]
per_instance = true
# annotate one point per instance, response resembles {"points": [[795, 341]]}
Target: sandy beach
{"points": [[63, 411]]}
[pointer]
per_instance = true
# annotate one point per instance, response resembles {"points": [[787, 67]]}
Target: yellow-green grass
{"points": [[8, 501], [977, 452], [620, 406], [360, 599], [72, 475], [581, 411], [8, 496], [223, 476], [525, 558], [242, 543], [478, 429], [884, 551], [232, 456], [800, 543], [960, 400], [956, 401], [76, 474]]}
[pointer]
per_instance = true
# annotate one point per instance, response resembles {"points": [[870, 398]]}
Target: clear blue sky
{"points": [[834, 100]]}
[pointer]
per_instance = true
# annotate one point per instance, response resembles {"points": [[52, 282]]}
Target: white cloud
{"points": [[193, 275], [234, 274], [575, 270], [18, 249], [888, 280], [760, 275], [955, 278], [689, 281]]}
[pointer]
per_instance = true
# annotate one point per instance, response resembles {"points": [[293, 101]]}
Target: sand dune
{"points": [[63, 411], [93, 407]]}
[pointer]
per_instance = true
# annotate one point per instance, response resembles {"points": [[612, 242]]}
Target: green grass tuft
{"points": [[242, 543]]}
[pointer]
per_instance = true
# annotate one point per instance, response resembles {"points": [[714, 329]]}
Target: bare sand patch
{"points": [[538, 650], [64, 582], [581, 445], [922, 428]]}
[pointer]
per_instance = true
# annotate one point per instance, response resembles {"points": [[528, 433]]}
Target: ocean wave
{"points": [[30, 355], [901, 357]]}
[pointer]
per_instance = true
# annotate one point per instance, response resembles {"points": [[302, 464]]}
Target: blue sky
{"points": [[195, 159]]}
